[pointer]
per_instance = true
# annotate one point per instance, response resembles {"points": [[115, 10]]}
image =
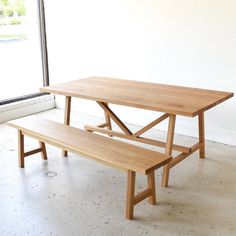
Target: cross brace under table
{"points": [[168, 145]]}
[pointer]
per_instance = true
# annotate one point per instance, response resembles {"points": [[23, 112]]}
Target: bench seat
{"points": [[111, 152]]}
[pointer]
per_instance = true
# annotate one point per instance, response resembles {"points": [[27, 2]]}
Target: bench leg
{"points": [[151, 185], [169, 145], [21, 152], [133, 199], [201, 135], [130, 195], [43, 152], [67, 119]]}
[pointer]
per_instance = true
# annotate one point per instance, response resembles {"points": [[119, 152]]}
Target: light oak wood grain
{"points": [[21, 152], [169, 148], [151, 185], [109, 151], [115, 118], [130, 195], [67, 118], [177, 100], [170, 99], [114, 153], [108, 120], [43, 152], [137, 139], [150, 125], [201, 128]]}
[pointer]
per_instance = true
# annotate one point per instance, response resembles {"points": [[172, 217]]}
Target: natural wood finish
{"points": [[171, 99], [132, 200], [201, 135], [151, 185], [67, 118], [143, 195], [43, 152], [137, 139], [102, 125], [175, 147], [41, 149], [195, 147], [130, 195], [169, 148], [32, 152], [182, 156], [115, 118], [108, 119], [178, 159], [119, 154], [149, 126], [21, 149], [174, 100]]}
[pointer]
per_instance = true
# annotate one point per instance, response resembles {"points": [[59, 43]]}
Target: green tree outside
{"points": [[10, 8], [12, 13]]}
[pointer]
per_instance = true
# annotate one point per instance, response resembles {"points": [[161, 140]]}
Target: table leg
{"points": [[201, 135], [67, 118], [169, 145], [21, 152], [108, 121]]}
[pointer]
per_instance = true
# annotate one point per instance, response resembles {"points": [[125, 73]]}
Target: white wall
{"points": [[184, 42]]}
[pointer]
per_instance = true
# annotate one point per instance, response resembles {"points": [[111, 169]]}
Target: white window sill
{"points": [[26, 107]]}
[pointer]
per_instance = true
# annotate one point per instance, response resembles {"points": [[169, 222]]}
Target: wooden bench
{"points": [[111, 152]]}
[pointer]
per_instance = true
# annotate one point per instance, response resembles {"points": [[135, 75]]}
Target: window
{"points": [[23, 52]]}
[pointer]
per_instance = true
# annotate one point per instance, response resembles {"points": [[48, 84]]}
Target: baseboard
{"points": [[26, 107], [219, 135]]}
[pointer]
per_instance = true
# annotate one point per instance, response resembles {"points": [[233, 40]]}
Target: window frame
{"points": [[44, 56]]}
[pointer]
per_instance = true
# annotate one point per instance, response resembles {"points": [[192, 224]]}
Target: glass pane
{"points": [[20, 52]]}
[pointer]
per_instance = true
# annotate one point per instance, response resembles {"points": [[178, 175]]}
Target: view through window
{"points": [[20, 49]]}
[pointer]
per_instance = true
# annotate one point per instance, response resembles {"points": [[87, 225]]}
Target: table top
{"points": [[177, 100]]}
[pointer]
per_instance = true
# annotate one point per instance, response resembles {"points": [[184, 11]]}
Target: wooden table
{"points": [[171, 100]]}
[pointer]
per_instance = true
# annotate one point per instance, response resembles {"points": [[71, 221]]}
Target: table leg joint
{"points": [[183, 156], [110, 114]]}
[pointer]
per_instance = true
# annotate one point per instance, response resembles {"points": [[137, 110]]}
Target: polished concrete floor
{"points": [[75, 196]]}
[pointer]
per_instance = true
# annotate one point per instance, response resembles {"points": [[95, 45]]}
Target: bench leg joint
{"points": [[133, 199], [21, 150]]}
